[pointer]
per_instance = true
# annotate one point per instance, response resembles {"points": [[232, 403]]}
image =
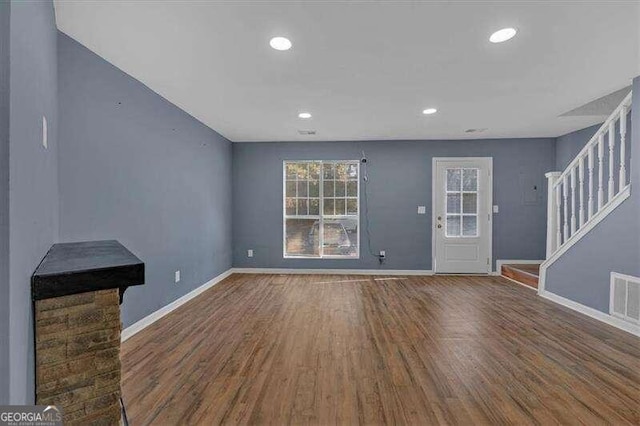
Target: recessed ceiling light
{"points": [[304, 115], [502, 35], [280, 43], [429, 111]]}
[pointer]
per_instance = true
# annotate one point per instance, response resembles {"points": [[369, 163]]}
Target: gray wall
{"points": [[635, 155], [4, 201], [570, 145], [583, 273], [136, 168], [400, 180], [33, 204]]}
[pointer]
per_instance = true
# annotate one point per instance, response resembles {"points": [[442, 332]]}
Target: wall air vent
{"points": [[307, 132], [624, 301]]}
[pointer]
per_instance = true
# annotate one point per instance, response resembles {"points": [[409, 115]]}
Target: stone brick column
{"points": [[77, 291], [78, 361]]}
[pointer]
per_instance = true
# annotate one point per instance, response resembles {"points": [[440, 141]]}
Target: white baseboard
{"points": [[332, 271], [155, 316], [593, 313], [501, 262]]}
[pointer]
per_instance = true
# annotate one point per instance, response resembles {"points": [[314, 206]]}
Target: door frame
{"points": [[488, 161]]}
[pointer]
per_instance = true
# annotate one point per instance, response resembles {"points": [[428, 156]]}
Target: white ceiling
{"points": [[366, 70]]}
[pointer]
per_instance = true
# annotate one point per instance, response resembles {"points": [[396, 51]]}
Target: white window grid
{"points": [[321, 217], [462, 214]]}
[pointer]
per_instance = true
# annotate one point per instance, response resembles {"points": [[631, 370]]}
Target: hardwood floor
{"points": [[295, 349]]}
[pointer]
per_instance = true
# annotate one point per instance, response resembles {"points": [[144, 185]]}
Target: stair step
{"points": [[527, 274]]}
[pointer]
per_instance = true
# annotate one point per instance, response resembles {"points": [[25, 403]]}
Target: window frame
{"points": [[321, 216], [462, 214]]}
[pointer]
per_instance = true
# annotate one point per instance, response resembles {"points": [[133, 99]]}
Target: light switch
{"points": [[250, 253], [45, 132], [496, 209], [422, 209], [177, 277]]}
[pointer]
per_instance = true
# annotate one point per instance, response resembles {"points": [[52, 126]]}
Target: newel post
{"points": [[552, 217]]}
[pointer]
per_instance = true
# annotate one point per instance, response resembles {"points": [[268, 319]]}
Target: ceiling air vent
{"points": [[307, 132], [625, 297], [475, 130]]}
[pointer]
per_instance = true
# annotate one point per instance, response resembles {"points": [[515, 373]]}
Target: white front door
{"points": [[462, 198]]}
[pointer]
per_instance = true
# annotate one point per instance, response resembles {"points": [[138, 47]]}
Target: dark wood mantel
{"points": [[72, 268]]}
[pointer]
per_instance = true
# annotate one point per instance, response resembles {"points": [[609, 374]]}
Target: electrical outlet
{"points": [[422, 210], [177, 277], [250, 253], [383, 254], [496, 209]]}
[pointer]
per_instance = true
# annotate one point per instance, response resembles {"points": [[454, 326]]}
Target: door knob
{"points": [[439, 226]]}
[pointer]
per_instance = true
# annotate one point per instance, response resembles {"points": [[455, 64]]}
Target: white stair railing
{"points": [[567, 216]]}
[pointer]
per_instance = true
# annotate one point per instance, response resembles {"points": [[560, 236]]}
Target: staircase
{"points": [[593, 185]]}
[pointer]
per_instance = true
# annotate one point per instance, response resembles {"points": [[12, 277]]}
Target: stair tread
{"points": [[527, 274], [532, 269]]}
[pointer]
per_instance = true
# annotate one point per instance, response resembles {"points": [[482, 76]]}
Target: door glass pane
{"points": [[341, 206], [453, 226], [302, 237], [453, 203], [470, 180], [470, 203], [340, 188], [469, 226], [453, 179], [340, 237]]}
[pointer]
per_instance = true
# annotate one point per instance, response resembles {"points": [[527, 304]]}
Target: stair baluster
{"points": [[565, 196], [600, 171], [581, 188], [612, 143], [573, 201], [623, 152], [590, 207], [558, 218]]}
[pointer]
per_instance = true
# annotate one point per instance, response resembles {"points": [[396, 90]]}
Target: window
{"points": [[462, 202], [321, 209]]}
